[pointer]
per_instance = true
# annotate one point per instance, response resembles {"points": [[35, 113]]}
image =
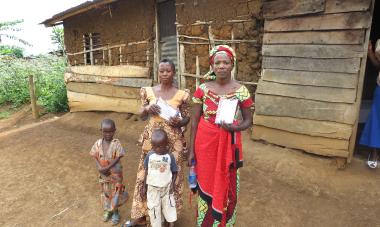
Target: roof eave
{"points": [[84, 7]]}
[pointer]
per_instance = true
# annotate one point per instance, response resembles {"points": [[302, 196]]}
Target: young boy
{"points": [[160, 175], [107, 152]]}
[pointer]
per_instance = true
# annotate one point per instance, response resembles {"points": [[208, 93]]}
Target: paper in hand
{"points": [[167, 111], [226, 111]]}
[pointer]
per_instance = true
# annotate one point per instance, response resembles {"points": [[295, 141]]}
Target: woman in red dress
{"points": [[217, 148]]}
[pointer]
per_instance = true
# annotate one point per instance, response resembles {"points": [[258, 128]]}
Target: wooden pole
{"points": [[33, 97], [120, 56], [198, 71], [157, 53], [84, 50], [109, 56], [234, 70], [182, 65], [179, 76], [104, 57], [91, 47]]}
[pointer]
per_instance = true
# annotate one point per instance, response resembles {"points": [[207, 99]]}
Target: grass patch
{"points": [[49, 79], [4, 114]]}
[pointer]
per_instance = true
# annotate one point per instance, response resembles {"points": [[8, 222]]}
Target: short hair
{"points": [[109, 122], [171, 63], [159, 134]]}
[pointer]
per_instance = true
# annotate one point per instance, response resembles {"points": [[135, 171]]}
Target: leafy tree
{"points": [[10, 26], [57, 38]]}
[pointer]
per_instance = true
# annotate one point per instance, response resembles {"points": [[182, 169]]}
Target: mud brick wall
{"points": [[220, 14], [121, 22]]}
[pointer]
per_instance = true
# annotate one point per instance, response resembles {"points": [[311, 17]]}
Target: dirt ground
{"points": [[48, 179]]}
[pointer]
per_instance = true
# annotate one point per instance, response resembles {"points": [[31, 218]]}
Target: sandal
{"points": [[107, 215], [115, 219], [127, 224], [372, 163]]}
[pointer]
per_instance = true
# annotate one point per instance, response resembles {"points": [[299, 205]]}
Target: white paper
{"points": [[226, 111], [167, 111]]}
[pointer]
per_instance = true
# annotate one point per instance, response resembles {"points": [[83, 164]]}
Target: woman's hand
{"points": [[229, 127], [378, 80], [143, 190], [175, 122], [190, 157], [153, 109]]}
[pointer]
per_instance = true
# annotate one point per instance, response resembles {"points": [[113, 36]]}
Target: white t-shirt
{"points": [[160, 169]]}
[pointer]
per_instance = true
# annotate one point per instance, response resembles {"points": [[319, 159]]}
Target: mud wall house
{"points": [[313, 71], [109, 46], [114, 46]]}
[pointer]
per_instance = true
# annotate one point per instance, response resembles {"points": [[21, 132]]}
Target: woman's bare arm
{"points": [[197, 112]]}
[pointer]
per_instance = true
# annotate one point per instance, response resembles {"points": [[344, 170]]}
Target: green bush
{"points": [[48, 72]]}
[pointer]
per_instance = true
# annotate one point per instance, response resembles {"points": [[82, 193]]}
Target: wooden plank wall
{"points": [[106, 88], [312, 56]]}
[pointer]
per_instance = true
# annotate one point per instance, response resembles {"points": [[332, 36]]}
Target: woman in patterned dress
{"points": [[217, 149], [178, 99]]}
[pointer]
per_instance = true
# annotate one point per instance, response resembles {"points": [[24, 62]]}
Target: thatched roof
{"points": [[86, 6]]}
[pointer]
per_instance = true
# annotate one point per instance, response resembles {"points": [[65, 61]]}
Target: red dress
{"points": [[218, 156]]}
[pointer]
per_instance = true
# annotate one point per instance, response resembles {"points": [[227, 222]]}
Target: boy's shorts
{"points": [[161, 203]]}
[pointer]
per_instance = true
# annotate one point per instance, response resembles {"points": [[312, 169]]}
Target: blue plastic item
{"points": [[192, 176]]}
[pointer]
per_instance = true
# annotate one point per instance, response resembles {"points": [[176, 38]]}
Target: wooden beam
{"points": [[338, 6], [313, 51], [104, 90], [132, 71], [315, 37], [311, 144], [348, 65], [117, 81], [307, 109], [285, 8], [86, 102], [197, 72], [157, 50], [305, 126], [321, 79], [327, 94], [341, 21]]}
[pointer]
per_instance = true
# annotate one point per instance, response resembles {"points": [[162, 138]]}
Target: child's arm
{"points": [[174, 178], [101, 169], [144, 187], [174, 169], [114, 162]]}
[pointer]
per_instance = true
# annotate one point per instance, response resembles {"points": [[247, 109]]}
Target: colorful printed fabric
{"points": [[204, 214], [177, 147], [210, 100], [218, 156], [230, 52], [113, 193]]}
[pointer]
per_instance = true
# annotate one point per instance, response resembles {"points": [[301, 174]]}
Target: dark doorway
{"points": [[167, 29], [369, 84]]}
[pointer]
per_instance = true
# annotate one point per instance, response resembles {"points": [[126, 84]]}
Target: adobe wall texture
{"points": [[119, 23], [220, 13]]}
